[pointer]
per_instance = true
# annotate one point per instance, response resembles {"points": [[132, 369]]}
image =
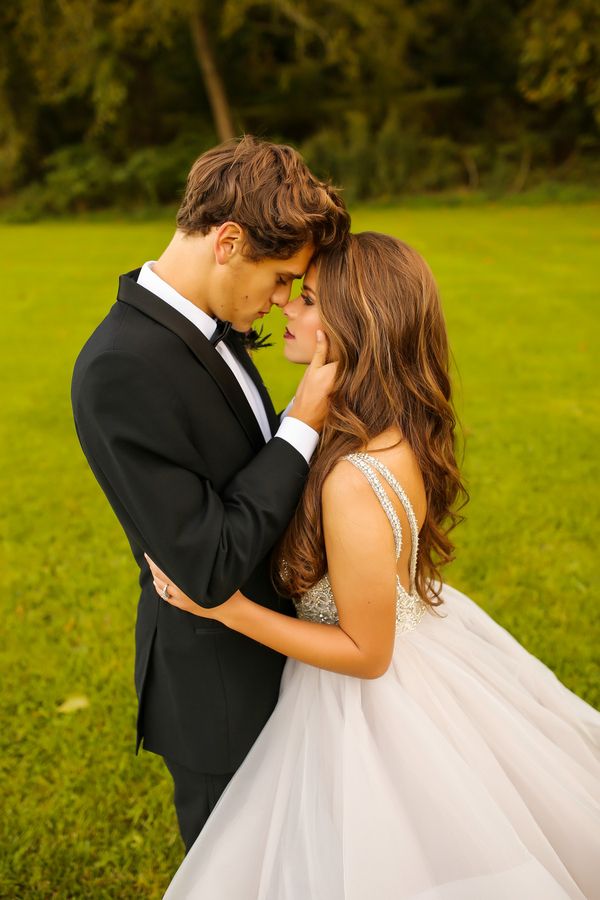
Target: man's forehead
{"points": [[297, 265], [302, 260]]}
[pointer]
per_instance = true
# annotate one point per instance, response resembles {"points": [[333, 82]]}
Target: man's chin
{"points": [[242, 327], [256, 324]]}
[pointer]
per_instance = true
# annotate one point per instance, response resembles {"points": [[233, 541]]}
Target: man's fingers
{"points": [[320, 354]]}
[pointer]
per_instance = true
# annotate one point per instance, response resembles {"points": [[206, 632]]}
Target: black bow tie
{"points": [[221, 332]]}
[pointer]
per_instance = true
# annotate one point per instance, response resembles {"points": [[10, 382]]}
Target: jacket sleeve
{"points": [[134, 431]]}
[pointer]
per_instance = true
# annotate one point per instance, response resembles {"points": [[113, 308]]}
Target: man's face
{"points": [[248, 289]]}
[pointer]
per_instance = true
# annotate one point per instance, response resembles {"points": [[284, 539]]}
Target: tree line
{"points": [[107, 102]]}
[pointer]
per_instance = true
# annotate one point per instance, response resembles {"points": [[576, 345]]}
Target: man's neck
{"points": [[181, 268]]}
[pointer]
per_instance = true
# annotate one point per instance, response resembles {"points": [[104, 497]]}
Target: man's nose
{"points": [[281, 295]]}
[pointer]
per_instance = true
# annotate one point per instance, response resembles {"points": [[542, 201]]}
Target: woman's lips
{"points": [[288, 336]]}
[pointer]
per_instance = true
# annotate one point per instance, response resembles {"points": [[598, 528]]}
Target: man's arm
{"points": [[134, 431]]}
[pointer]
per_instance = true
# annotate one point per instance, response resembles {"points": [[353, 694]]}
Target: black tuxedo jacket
{"points": [[178, 452]]}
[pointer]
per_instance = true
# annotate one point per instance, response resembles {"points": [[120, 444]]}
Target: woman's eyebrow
{"points": [[308, 289]]}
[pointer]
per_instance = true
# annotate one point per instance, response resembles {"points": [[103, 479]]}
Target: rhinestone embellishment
{"points": [[318, 604]]}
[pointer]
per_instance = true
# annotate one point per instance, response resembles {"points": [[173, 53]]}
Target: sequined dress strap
{"points": [[364, 462], [358, 460]]}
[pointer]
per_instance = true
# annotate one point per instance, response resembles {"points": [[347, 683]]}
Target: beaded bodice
{"points": [[318, 604]]}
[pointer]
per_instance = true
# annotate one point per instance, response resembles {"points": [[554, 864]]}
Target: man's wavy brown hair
{"points": [[269, 191], [381, 310]]}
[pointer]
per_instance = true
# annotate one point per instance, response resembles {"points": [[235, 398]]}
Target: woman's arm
{"points": [[318, 644], [360, 554]]}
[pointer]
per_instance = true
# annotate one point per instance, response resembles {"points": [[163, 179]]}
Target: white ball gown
{"points": [[467, 771]]}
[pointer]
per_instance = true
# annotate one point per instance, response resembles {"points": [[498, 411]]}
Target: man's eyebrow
{"points": [[291, 275]]}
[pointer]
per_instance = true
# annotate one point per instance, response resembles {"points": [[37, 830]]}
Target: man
{"points": [[180, 432]]}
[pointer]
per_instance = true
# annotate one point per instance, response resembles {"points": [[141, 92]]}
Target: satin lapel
{"points": [[235, 344], [150, 305]]}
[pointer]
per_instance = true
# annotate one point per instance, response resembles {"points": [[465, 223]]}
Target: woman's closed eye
{"points": [[307, 300]]}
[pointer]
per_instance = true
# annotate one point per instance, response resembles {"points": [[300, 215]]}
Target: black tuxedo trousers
{"points": [[178, 452]]}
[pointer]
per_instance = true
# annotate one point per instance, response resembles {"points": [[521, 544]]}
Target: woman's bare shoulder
{"points": [[344, 482], [345, 486]]}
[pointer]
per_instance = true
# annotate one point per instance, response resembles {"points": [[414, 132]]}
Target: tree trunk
{"points": [[212, 80], [522, 173]]}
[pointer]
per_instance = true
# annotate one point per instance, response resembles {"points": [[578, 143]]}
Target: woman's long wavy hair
{"points": [[380, 307]]}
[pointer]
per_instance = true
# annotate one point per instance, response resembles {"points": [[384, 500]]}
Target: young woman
{"points": [[417, 750]]}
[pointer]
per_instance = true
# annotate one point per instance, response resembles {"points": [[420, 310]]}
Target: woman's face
{"points": [[303, 321]]}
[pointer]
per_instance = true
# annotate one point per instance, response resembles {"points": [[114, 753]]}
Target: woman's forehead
{"points": [[310, 278]]}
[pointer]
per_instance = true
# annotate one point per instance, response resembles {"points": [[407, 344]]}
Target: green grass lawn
{"points": [[83, 817]]}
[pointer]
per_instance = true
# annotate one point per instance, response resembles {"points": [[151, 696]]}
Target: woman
{"points": [[417, 750]]}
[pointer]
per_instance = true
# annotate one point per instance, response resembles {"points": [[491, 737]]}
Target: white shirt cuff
{"points": [[300, 435]]}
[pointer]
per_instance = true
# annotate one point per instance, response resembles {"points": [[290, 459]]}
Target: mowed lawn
{"points": [[82, 816]]}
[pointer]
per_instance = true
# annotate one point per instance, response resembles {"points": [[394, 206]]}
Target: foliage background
{"points": [[107, 102]]}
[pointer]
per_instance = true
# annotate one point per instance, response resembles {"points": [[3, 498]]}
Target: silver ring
{"points": [[165, 592]]}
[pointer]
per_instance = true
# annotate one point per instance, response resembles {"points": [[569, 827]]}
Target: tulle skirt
{"points": [[467, 771]]}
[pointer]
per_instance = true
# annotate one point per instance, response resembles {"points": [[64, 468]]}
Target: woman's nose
{"points": [[289, 309]]}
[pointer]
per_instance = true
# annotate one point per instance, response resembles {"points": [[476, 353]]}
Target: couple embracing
{"points": [[339, 724]]}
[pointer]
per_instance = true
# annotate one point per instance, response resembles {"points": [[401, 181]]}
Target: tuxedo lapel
{"points": [[133, 294], [234, 341]]}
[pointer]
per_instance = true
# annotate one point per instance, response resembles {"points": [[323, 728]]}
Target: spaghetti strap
{"points": [[380, 492], [366, 463]]}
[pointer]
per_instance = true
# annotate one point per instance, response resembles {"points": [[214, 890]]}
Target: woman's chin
{"points": [[291, 354]]}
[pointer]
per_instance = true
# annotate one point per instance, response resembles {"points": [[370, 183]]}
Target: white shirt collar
{"points": [[154, 283]]}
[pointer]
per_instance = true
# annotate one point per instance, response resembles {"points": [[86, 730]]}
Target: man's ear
{"points": [[229, 241]]}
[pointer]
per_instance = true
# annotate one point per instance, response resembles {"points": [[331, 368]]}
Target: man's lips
{"points": [[288, 336]]}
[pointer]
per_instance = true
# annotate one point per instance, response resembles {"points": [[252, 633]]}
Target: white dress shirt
{"points": [[297, 433]]}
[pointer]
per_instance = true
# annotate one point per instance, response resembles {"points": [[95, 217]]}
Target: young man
{"points": [[180, 432]]}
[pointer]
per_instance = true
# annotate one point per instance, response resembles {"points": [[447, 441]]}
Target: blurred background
{"points": [[107, 103], [468, 129]]}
